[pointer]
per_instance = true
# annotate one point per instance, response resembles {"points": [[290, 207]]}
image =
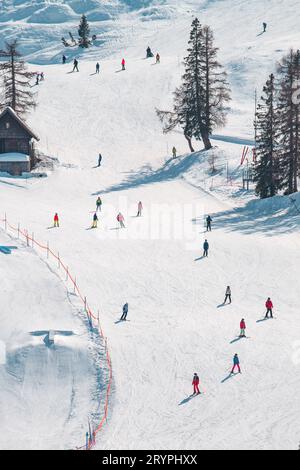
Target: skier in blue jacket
{"points": [[205, 248], [236, 364], [125, 312]]}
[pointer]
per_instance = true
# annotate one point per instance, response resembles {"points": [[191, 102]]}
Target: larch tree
{"points": [[16, 80], [200, 102]]}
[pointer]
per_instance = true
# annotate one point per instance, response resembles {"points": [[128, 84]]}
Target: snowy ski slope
{"points": [[176, 326]]}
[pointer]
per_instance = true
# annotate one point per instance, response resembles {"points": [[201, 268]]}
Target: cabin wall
{"points": [[15, 168]]}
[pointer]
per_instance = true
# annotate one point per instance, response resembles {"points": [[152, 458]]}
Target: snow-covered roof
{"points": [[14, 157], [9, 110]]}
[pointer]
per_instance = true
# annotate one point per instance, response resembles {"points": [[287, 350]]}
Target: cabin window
{"points": [[7, 125]]}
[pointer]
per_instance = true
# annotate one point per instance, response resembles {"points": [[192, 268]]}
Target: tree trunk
{"points": [[206, 140], [189, 139]]}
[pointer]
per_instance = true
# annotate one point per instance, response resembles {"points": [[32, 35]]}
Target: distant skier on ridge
{"points": [[75, 65]]}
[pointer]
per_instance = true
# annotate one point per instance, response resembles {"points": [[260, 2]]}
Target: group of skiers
{"points": [[149, 54], [236, 360]]}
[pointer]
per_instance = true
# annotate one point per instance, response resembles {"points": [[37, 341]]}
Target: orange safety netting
{"points": [[88, 310]]}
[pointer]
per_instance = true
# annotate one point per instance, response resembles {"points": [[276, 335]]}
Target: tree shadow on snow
{"points": [[275, 216], [172, 169]]}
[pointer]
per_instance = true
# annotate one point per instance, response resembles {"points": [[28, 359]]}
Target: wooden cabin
{"points": [[16, 144]]}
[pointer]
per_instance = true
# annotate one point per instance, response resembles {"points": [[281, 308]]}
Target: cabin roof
{"points": [[12, 157], [10, 111]]}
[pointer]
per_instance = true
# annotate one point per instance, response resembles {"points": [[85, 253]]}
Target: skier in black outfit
{"points": [[125, 312], [228, 295], [149, 52], [265, 27], [97, 67], [99, 159], [208, 223], [205, 248], [64, 59], [75, 63]]}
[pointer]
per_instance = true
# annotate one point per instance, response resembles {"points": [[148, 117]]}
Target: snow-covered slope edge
{"points": [[50, 392]]}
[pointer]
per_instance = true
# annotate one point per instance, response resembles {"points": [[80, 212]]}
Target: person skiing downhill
{"points": [[208, 223], [120, 219], [123, 64], [269, 307], [236, 364], [157, 58], [56, 220], [64, 59], [205, 248], [95, 221], [174, 152], [265, 27], [195, 383], [149, 53], [75, 65], [243, 328], [98, 204], [97, 67], [99, 160], [125, 312], [140, 208], [227, 295]]}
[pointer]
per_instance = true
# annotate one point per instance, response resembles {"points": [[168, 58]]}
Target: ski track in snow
{"points": [[175, 327]]}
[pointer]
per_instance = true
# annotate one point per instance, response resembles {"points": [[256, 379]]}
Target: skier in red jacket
{"points": [[243, 329], [269, 307], [195, 383], [56, 220], [123, 64]]}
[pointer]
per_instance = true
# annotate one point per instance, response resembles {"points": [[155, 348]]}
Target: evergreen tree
{"points": [[217, 92], [16, 80], [199, 103], [266, 166], [84, 32], [289, 114], [180, 116]]}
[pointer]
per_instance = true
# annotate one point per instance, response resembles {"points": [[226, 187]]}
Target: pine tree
{"points": [[267, 125], [199, 103], [217, 92], [289, 111], [180, 116], [16, 81], [84, 32]]}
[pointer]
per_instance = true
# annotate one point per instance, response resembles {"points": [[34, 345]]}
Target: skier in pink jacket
{"points": [[120, 219], [140, 209]]}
